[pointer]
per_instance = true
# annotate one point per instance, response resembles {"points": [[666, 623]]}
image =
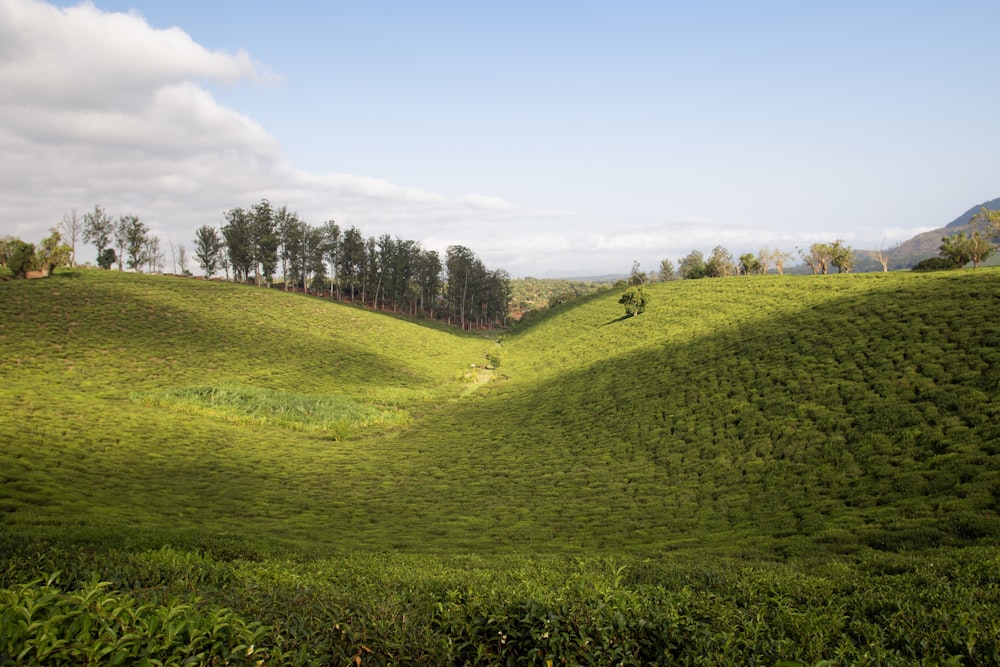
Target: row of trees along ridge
{"points": [[259, 243]]}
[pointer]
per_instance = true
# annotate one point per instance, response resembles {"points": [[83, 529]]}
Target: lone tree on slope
{"points": [[635, 300]]}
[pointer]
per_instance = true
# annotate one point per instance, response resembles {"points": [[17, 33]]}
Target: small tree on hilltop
{"points": [[52, 252], [635, 300], [21, 258], [956, 249], [107, 258]]}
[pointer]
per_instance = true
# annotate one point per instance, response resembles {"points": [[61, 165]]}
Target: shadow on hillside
{"points": [[813, 425], [617, 319]]}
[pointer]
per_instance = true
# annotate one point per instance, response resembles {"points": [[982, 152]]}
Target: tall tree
{"points": [[988, 221], [132, 240], [182, 259], [749, 264], [71, 226], [955, 248], [667, 271], [693, 265], [961, 249], [428, 277], [818, 257], [842, 256], [781, 257], [290, 231], [766, 257], [351, 258], [459, 262], [208, 246], [52, 252], [331, 248], [979, 249], [153, 253], [719, 263], [238, 235], [636, 276], [99, 230], [265, 242]]}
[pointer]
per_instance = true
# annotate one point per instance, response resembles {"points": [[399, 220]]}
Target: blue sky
{"points": [[552, 138]]}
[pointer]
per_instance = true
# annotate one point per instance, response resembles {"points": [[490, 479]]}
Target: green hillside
{"points": [[794, 438]]}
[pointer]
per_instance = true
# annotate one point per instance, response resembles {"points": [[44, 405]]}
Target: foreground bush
{"points": [[43, 624], [180, 607]]}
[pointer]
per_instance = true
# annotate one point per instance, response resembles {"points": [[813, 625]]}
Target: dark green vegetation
{"points": [[763, 469]]}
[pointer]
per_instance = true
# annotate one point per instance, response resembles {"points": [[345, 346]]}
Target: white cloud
{"points": [[103, 108]]}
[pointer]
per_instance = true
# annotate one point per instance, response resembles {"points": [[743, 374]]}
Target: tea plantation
{"points": [[758, 470]]}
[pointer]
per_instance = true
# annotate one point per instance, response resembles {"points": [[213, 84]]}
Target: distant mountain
{"points": [[925, 245], [993, 205]]}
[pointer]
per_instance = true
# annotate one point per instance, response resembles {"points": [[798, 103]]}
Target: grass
{"points": [[811, 421]]}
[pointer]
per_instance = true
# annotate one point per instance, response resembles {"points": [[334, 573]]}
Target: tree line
{"points": [[820, 257], [267, 245]]}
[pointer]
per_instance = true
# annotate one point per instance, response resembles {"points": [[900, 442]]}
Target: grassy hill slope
{"points": [[765, 413], [228, 474], [159, 409]]}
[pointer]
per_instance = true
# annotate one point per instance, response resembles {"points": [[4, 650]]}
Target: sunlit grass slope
{"points": [[753, 415], [155, 409]]}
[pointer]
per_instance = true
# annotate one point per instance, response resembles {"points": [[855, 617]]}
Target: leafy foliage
{"points": [[635, 299]]}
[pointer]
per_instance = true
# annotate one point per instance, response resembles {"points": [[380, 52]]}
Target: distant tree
{"points": [[239, 243], [749, 264], [173, 253], [883, 258], [6, 248], [52, 252], [636, 277], [350, 259], [208, 246], [132, 239], [265, 242], [667, 271], [71, 226], [20, 257], [331, 248], [99, 230], [461, 264], [719, 264], [182, 259], [693, 266], [957, 249], [766, 257], [107, 259], [635, 299], [817, 258], [979, 249], [989, 222], [428, 279], [781, 257], [842, 256], [313, 267], [153, 253]]}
